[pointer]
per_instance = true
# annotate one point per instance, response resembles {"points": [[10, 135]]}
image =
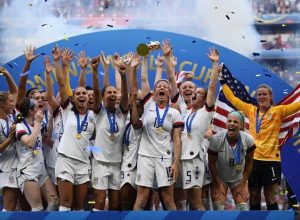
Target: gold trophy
{"points": [[144, 49]]}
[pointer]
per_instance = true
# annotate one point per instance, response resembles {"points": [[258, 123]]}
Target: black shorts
{"points": [[265, 173]]}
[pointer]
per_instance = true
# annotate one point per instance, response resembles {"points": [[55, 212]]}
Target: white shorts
{"points": [[128, 177], [192, 172], [151, 168], [72, 170], [106, 175], [207, 176], [51, 173], [27, 175], [9, 179]]}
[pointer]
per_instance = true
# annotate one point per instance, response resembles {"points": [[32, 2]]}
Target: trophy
{"points": [[144, 49]]}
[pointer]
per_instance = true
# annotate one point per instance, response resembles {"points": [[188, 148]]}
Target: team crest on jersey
{"points": [[91, 119], [169, 116], [118, 114]]}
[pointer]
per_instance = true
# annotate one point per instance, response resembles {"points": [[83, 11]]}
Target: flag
{"points": [[224, 107]]}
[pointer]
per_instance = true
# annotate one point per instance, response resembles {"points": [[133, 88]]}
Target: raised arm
{"points": [[167, 50], [117, 63], [83, 63], [66, 57], [105, 65], [144, 77], [96, 85], [159, 61], [124, 95], [13, 89], [29, 56], [50, 95], [59, 75], [214, 57]]}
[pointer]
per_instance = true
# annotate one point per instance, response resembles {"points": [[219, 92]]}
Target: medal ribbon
{"points": [[112, 121], [237, 151], [160, 121], [80, 126], [258, 122], [189, 122]]}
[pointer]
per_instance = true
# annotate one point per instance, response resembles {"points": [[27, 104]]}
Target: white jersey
{"points": [[110, 148], [8, 158], [154, 142], [70, 145], [191, 142], [57, 132], [226, 162], [30, 158], [131, 145]]}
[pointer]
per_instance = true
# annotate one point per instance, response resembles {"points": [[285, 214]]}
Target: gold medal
{"points": [[112, 137], [35, 152], [189, 135], [238, 167], [160, 130], [78, 136]]}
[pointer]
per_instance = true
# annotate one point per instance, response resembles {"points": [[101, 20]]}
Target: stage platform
{"points": [[151, 215]]}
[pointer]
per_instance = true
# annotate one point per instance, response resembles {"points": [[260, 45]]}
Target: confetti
{"points": [[157, 3], [285, 92], [109, 25], [216, 7], [293, 196], [11, 66], [15, 63], [89, 27], [232, 12], [298, 72], [256, 54], [126, 20], [66, 38], [43, 54], [257, 75], [101, 73], [243, 37], [227, 17], [93, 149], [182, 50], [297, 205], [30, 4], [43, 25], [260, 21], [265, 70], [299, 150], [283, 25], [268, 75], [25, 74], [91, 202], [263, 41], [148, 37], [193, 41], [75, 44]]}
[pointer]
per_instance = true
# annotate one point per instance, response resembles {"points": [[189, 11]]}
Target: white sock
{"points": [[38, 209], [96, 210], [64, 209], [4, 210]]}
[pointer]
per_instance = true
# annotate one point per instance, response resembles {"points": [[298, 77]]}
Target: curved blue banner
{"points": [[192, 56]]}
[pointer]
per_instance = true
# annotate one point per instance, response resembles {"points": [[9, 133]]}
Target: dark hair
{"points": [[25, 106], [88, 88], [29, 91]]}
